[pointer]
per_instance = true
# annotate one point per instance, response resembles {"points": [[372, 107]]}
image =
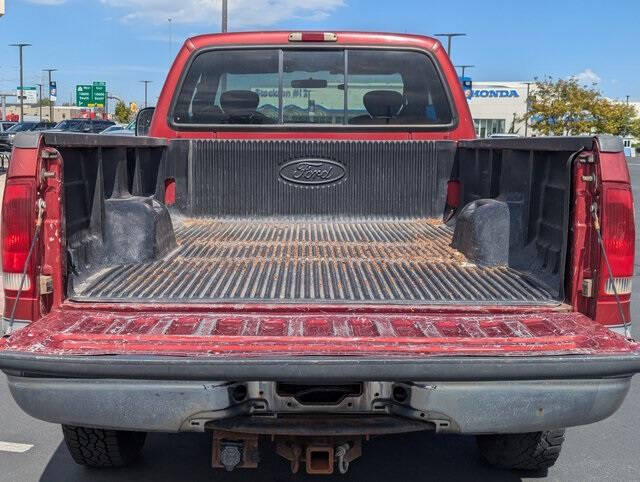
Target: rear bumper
{"points": [[450, 407], [449, 394]]}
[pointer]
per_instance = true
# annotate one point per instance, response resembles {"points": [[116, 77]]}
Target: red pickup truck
{"points": [[310, 245]]}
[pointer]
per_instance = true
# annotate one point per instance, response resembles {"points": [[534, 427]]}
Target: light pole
{"points": [[449, 37], [464, 67], [146, 83], [50, 102], [40, 101], [225, 16], [20, 47], [170, 20], [526, 117]]}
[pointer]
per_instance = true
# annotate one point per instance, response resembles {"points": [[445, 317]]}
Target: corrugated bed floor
{"points": [[384, 261]]}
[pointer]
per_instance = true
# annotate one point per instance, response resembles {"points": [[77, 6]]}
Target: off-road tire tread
{"points": [[533, 451], [95, 447]]}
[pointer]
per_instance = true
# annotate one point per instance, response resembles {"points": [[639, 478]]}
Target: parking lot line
{"points": [[14, 448]]}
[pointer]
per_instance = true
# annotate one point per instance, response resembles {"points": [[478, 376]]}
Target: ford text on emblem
{"points": [[312, 171]]}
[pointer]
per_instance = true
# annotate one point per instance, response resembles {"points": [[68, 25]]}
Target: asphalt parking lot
{"points": [[604, 451]]}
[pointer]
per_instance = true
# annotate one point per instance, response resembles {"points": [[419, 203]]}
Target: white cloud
{"points": [[242, 13], [587, 77]]}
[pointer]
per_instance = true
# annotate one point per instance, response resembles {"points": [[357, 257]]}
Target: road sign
{"points": [[99, 94], [84, 95], [28, 94]]}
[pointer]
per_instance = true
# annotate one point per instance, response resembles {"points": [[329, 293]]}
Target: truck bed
{"points": [[390, 260]]}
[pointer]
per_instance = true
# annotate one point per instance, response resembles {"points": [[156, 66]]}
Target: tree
{"points": [[562, 107], [122, 113], [616, 118]]}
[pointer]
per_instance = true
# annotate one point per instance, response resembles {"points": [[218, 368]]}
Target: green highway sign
{"points": [[99, 94], [84, 95], [91, 95]]}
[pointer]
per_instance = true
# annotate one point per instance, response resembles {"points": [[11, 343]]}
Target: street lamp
{"points": [[449, 37], [40, 101], [464, 67], [170, 20], [20, 47], [50, 102], [225, 16], [526, 116], [146, 83]]}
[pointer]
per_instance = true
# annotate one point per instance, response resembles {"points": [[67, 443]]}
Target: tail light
{"points": [[618, 236], [18, 222]]}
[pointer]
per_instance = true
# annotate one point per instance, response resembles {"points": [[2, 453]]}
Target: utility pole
{"points": [[449, 37], [628, 100], [464, 67], [225, 16], [20, 47], [50, 102], [146, 83], [40, 101]]}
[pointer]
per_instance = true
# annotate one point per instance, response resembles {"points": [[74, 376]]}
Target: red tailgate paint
{"points": [[254, 335]]}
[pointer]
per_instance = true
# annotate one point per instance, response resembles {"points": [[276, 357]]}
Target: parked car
{"points": [[5, 125], [121, 130], [310, 245], [88, 126], [6, 137]]}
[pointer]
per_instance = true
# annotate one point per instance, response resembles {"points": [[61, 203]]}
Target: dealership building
{"points": [[497, 108]]}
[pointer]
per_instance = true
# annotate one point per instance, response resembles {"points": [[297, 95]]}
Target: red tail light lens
{"points": [[618, 236], [17, 229], [618, 230]]}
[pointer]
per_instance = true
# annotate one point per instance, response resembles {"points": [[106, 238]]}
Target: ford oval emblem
{"points": [[312, 171]]}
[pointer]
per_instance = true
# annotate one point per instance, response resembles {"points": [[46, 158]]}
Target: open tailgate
{"points": [[275, 345]]}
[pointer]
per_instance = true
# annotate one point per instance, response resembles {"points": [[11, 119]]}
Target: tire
{"points": [[95, 447], [522, 451]]}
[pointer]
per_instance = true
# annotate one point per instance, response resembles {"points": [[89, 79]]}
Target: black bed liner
{"points": [[360, 232], [319, 261]]}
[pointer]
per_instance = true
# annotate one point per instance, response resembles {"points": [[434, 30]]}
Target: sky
{"points": [[124, 41]]}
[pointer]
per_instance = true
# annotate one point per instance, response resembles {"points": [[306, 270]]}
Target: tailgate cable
{"points": [[596, 225], [41, 207]]}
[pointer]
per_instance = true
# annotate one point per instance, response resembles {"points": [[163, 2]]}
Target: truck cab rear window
{"points": [[318, 87]]}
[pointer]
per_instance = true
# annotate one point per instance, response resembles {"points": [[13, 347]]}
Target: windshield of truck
{"points": [[299, 86]]}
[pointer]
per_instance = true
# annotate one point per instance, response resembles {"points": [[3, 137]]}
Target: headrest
{"points": [[239, 101], [383, 103]]}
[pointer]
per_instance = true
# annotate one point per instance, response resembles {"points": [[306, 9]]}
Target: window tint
{"points": [[379, 87]]}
